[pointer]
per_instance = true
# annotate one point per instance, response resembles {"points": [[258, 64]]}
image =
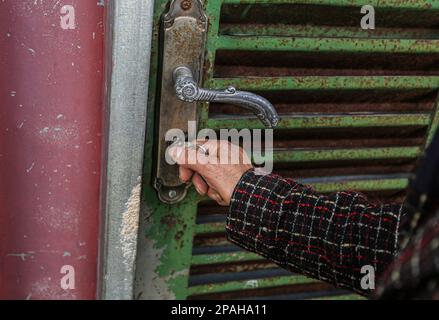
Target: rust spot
{"points": [[169, 220], [179, 235], [186, 4]]}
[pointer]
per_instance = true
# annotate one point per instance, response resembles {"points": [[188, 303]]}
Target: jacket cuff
{"points": [[256, 217]]}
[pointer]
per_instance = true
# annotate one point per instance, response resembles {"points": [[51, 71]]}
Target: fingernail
{"points": [[215, 196], [198, 190]]}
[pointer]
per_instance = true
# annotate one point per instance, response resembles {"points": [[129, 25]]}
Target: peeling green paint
{"points": [[308, 31], [168, 229], [362, 185], [327, 44], [344, 154], [326, 121], [327, 82], [225, 257], [250, 284]]}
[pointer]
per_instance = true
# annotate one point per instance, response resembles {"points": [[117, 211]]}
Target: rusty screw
{"points": [[186, 4], [172, 194]]}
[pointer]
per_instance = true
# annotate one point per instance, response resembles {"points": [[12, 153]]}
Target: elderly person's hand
{"points": [[215, 167]]}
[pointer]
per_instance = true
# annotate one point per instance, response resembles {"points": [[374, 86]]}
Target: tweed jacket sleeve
{"points": [[327, 237]]}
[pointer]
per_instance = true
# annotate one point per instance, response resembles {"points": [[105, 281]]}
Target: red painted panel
{"points": [[50, 147]]}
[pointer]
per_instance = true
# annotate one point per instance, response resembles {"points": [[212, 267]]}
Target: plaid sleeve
{"points": [[327, 237]]}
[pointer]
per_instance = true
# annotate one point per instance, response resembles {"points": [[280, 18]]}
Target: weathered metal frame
{"points": [[167, 231], [128, 42]]}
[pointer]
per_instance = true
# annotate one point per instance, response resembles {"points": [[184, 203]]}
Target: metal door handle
{"points": [[187, 89], [183, 37]]}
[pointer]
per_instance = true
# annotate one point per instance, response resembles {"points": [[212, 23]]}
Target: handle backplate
{"points": [[184, 30]]}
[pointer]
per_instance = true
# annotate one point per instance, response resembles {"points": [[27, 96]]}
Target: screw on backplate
{"points": [[172, 194], [186, 4]]}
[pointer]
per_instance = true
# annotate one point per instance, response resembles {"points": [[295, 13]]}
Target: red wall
{"points": [[50, 147]]}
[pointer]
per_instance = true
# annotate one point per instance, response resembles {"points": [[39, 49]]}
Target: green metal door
{"points": [[357, 108]]}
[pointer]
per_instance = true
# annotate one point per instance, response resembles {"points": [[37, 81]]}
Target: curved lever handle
{"points": [[188, 90]]}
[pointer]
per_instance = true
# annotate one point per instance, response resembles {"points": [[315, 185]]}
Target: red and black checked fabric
{"points": [[325, 237], [415, 273], [330, 237]]}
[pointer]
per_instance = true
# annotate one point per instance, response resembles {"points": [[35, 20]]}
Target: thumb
{"points": [[191, 158], [177, 153], [188, 157]]}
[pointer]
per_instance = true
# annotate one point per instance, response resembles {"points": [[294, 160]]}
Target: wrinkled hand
{"points": [[215, 172]]}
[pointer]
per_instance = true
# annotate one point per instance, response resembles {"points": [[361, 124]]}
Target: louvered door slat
{"points": [[320, 83]]}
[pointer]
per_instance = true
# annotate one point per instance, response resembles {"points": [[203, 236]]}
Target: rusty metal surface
{"points": [[260, 51], [165, 231], [360, 102], [50, 148]]}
